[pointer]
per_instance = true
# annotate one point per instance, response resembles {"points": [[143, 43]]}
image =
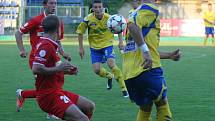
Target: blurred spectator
{"points": [[5, 3], [13, 4], [1, 3]]}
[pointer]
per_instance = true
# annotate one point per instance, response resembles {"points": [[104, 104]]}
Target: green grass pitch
{"points": [[190, 86]]}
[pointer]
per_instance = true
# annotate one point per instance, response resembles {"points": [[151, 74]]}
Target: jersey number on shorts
{"points": [[65, 99]]}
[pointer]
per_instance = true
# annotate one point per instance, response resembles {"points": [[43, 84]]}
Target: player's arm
{"points": [[80, 31], [210, 22], [174, 55], [19, 42], [42, 55], [81, 45], [41, 69], [138, 38], [30, 25], [62, 52], [121, 44]]}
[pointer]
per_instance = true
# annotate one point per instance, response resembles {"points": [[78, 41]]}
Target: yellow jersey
{"points": [[210, 16], [144, 16], [99, 36]]}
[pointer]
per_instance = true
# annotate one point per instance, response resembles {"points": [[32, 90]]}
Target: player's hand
{"points": [[175, 55], [73, 70], [147, 63], [67, 57], [121, 45], [23, 54], [64, 67], [81, 52]]}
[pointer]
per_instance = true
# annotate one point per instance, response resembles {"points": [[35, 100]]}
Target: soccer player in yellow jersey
{"points": [[101, 45], [209, 22], [141, 63]]}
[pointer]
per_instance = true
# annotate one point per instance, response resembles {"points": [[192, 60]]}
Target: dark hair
{"points": [[50, 24], [97, 1], [45, 2]]}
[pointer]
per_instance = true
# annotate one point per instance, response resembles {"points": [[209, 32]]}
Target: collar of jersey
{"points": [[50, 40]]}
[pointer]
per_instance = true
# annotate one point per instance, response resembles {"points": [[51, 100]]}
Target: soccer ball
{"points": [[116, 24]]}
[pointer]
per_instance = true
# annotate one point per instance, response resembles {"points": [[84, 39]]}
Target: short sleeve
{"points": [[205, 15], [28, 26], [137, 18], [82, 26]]}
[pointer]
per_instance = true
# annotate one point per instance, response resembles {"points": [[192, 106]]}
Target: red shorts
{"points": [[57, 102]]}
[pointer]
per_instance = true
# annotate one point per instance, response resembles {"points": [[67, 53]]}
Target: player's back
{"points": [[46, 55]]}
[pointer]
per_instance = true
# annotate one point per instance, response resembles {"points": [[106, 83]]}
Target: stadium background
{"points": [[179, 18]]}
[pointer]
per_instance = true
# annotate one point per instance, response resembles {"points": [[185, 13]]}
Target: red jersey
{"points": [[45, 54], [35, 30]]}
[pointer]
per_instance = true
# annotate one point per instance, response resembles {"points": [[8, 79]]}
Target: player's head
{"points": [[97, 7], [51, 24], [135, 3], [210, 6], [50, 6]]}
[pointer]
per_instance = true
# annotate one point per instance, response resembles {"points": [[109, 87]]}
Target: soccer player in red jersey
{"points": [[35, 30], [49, 73]]}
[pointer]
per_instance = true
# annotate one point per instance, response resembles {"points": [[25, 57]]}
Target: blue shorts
{"points": [[101, 55], [147, 87], [209, 30]]}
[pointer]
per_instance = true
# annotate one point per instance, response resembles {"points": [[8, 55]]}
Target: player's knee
{"points": [[83, 118], [97, 71], [161, 102], [147, 108], [89, 107], [111, 65], [77, 118]]}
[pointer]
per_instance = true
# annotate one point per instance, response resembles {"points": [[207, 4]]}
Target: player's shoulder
{"points": [[37, 18], [46, 41], [107, 15], [88, 17]]}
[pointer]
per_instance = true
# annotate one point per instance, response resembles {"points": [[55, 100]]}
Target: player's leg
{"points": [[118, 75], [102, 72], [73, 113], [86, 106], [62, 104], [138, 93], [162, 106], [163, 110], [97, 58], [109, 54], [144, 113], [212, 35], [21, 95], [213, 40], [207, 31]]}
